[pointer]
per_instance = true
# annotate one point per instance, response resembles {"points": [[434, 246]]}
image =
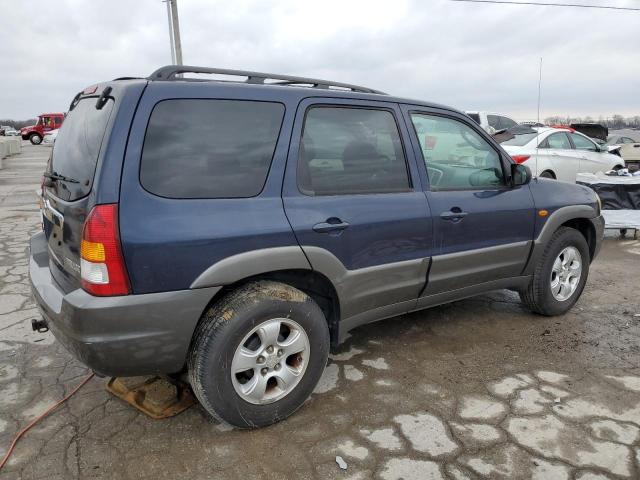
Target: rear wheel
{"points": [[548, 174], [258, 354], [35, 139], [560, 275]]}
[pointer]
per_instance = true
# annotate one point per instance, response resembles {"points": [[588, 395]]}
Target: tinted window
{"points": [[582, 143], [493, 121], [475, 117], [209, 148], [456, 156], [58, 120], [75, 152], [351, 151], [506, 122], [558, 140]]}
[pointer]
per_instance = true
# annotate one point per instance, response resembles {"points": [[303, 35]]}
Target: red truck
{"points": [[46, 123]]}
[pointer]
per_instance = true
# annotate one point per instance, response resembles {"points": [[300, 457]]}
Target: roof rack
{"points": [[170, 72]]}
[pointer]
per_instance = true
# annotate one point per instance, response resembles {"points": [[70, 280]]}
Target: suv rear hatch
{"points": [[68, 182]]}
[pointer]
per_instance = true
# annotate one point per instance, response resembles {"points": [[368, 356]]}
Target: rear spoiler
{"points": [[90, 92]]}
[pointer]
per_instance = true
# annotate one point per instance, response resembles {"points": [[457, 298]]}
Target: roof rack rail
{"points": [[169, 72]]}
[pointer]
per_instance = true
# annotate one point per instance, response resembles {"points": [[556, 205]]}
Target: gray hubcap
{"points": [[566, 273], [270, 361]]}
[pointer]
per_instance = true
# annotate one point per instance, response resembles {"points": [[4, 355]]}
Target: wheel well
{"points": [[314, 284], [588, 231], [618, 167], [550, 172]]}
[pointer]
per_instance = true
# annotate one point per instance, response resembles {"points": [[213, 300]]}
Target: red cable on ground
{"points": [[40, 417]]}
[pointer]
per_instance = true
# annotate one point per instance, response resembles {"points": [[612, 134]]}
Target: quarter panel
{"points": [[168, 243]]}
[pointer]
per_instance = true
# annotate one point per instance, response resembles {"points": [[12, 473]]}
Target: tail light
{"points": [[102, 265], [520, 158]]}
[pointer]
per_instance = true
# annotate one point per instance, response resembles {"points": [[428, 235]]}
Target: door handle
{"points": [[455, 215], [332, 224], [555, 154]]}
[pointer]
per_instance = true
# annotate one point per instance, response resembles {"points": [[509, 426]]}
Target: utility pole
{"points": [[171, 45], [174, 31]]}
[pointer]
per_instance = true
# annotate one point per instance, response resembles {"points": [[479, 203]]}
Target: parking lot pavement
{"points": [[476, 389]]}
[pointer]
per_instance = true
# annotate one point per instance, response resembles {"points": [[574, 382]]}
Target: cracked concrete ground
{"points": [[476, 389]]}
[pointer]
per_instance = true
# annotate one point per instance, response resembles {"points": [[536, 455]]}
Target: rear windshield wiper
{"points": [[56, 176]]}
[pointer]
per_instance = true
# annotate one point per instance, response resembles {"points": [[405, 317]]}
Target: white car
{"points": [[50, 137], [492, 122], [559, 153]]}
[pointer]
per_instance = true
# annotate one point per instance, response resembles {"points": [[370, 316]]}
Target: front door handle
{"points": [[332, 224], [454, 215]]}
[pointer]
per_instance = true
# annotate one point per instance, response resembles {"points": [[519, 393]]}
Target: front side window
{"points": [[582, 143], [456, 156], [351, 151], [198, 148], [558, 140]]}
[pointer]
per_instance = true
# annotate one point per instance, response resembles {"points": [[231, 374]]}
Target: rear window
{"points": [[198, 148], [75, 152], [520, 140]]}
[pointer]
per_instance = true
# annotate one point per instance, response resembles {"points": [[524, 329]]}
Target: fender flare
{"points": [[254, 262], [555, 220]]}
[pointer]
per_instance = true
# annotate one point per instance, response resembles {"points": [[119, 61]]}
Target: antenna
{"points": [[538, 128]]}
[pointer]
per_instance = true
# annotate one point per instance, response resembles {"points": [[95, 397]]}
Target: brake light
{"points": [[102, 265], [520, 158]]}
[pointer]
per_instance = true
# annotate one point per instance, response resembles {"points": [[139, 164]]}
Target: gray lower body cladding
{"points": [[118, 336]]}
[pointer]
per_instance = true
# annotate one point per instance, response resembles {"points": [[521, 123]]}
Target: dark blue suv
{"points": [[236, 230]]}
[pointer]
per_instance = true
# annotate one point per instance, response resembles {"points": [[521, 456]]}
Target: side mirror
{"points": [[520, 174]]}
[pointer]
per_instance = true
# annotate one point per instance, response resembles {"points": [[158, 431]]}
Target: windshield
{"points": [[520, 140], [77, 146]]}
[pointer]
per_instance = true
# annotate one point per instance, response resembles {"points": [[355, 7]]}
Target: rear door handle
{"points": [[454, 215], [332, 224]]}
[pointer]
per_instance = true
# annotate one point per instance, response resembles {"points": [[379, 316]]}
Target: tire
{"points": [[228, 325], [617, 167], [547, 174], [35, 139], [538, 296]]}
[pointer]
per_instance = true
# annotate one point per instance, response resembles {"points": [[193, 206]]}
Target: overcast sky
{"points": [[470, 56]]}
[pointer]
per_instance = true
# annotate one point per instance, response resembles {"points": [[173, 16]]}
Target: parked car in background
{"points": [[8, 131], [492, 122], [559, 153], [234, 231], [595, 131], [46, 123], [627, 148], [50, 137]]}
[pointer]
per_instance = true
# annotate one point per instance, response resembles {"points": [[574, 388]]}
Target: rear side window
{"points": [[198, 148], [558, 140], [351, 151], [75, 152]]}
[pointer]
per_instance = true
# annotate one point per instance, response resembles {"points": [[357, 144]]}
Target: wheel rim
{"points": [[270, 361], [566, 273], [37, 139]]}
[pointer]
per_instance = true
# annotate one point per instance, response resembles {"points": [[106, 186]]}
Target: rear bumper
{"points": [[118, 336]]}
